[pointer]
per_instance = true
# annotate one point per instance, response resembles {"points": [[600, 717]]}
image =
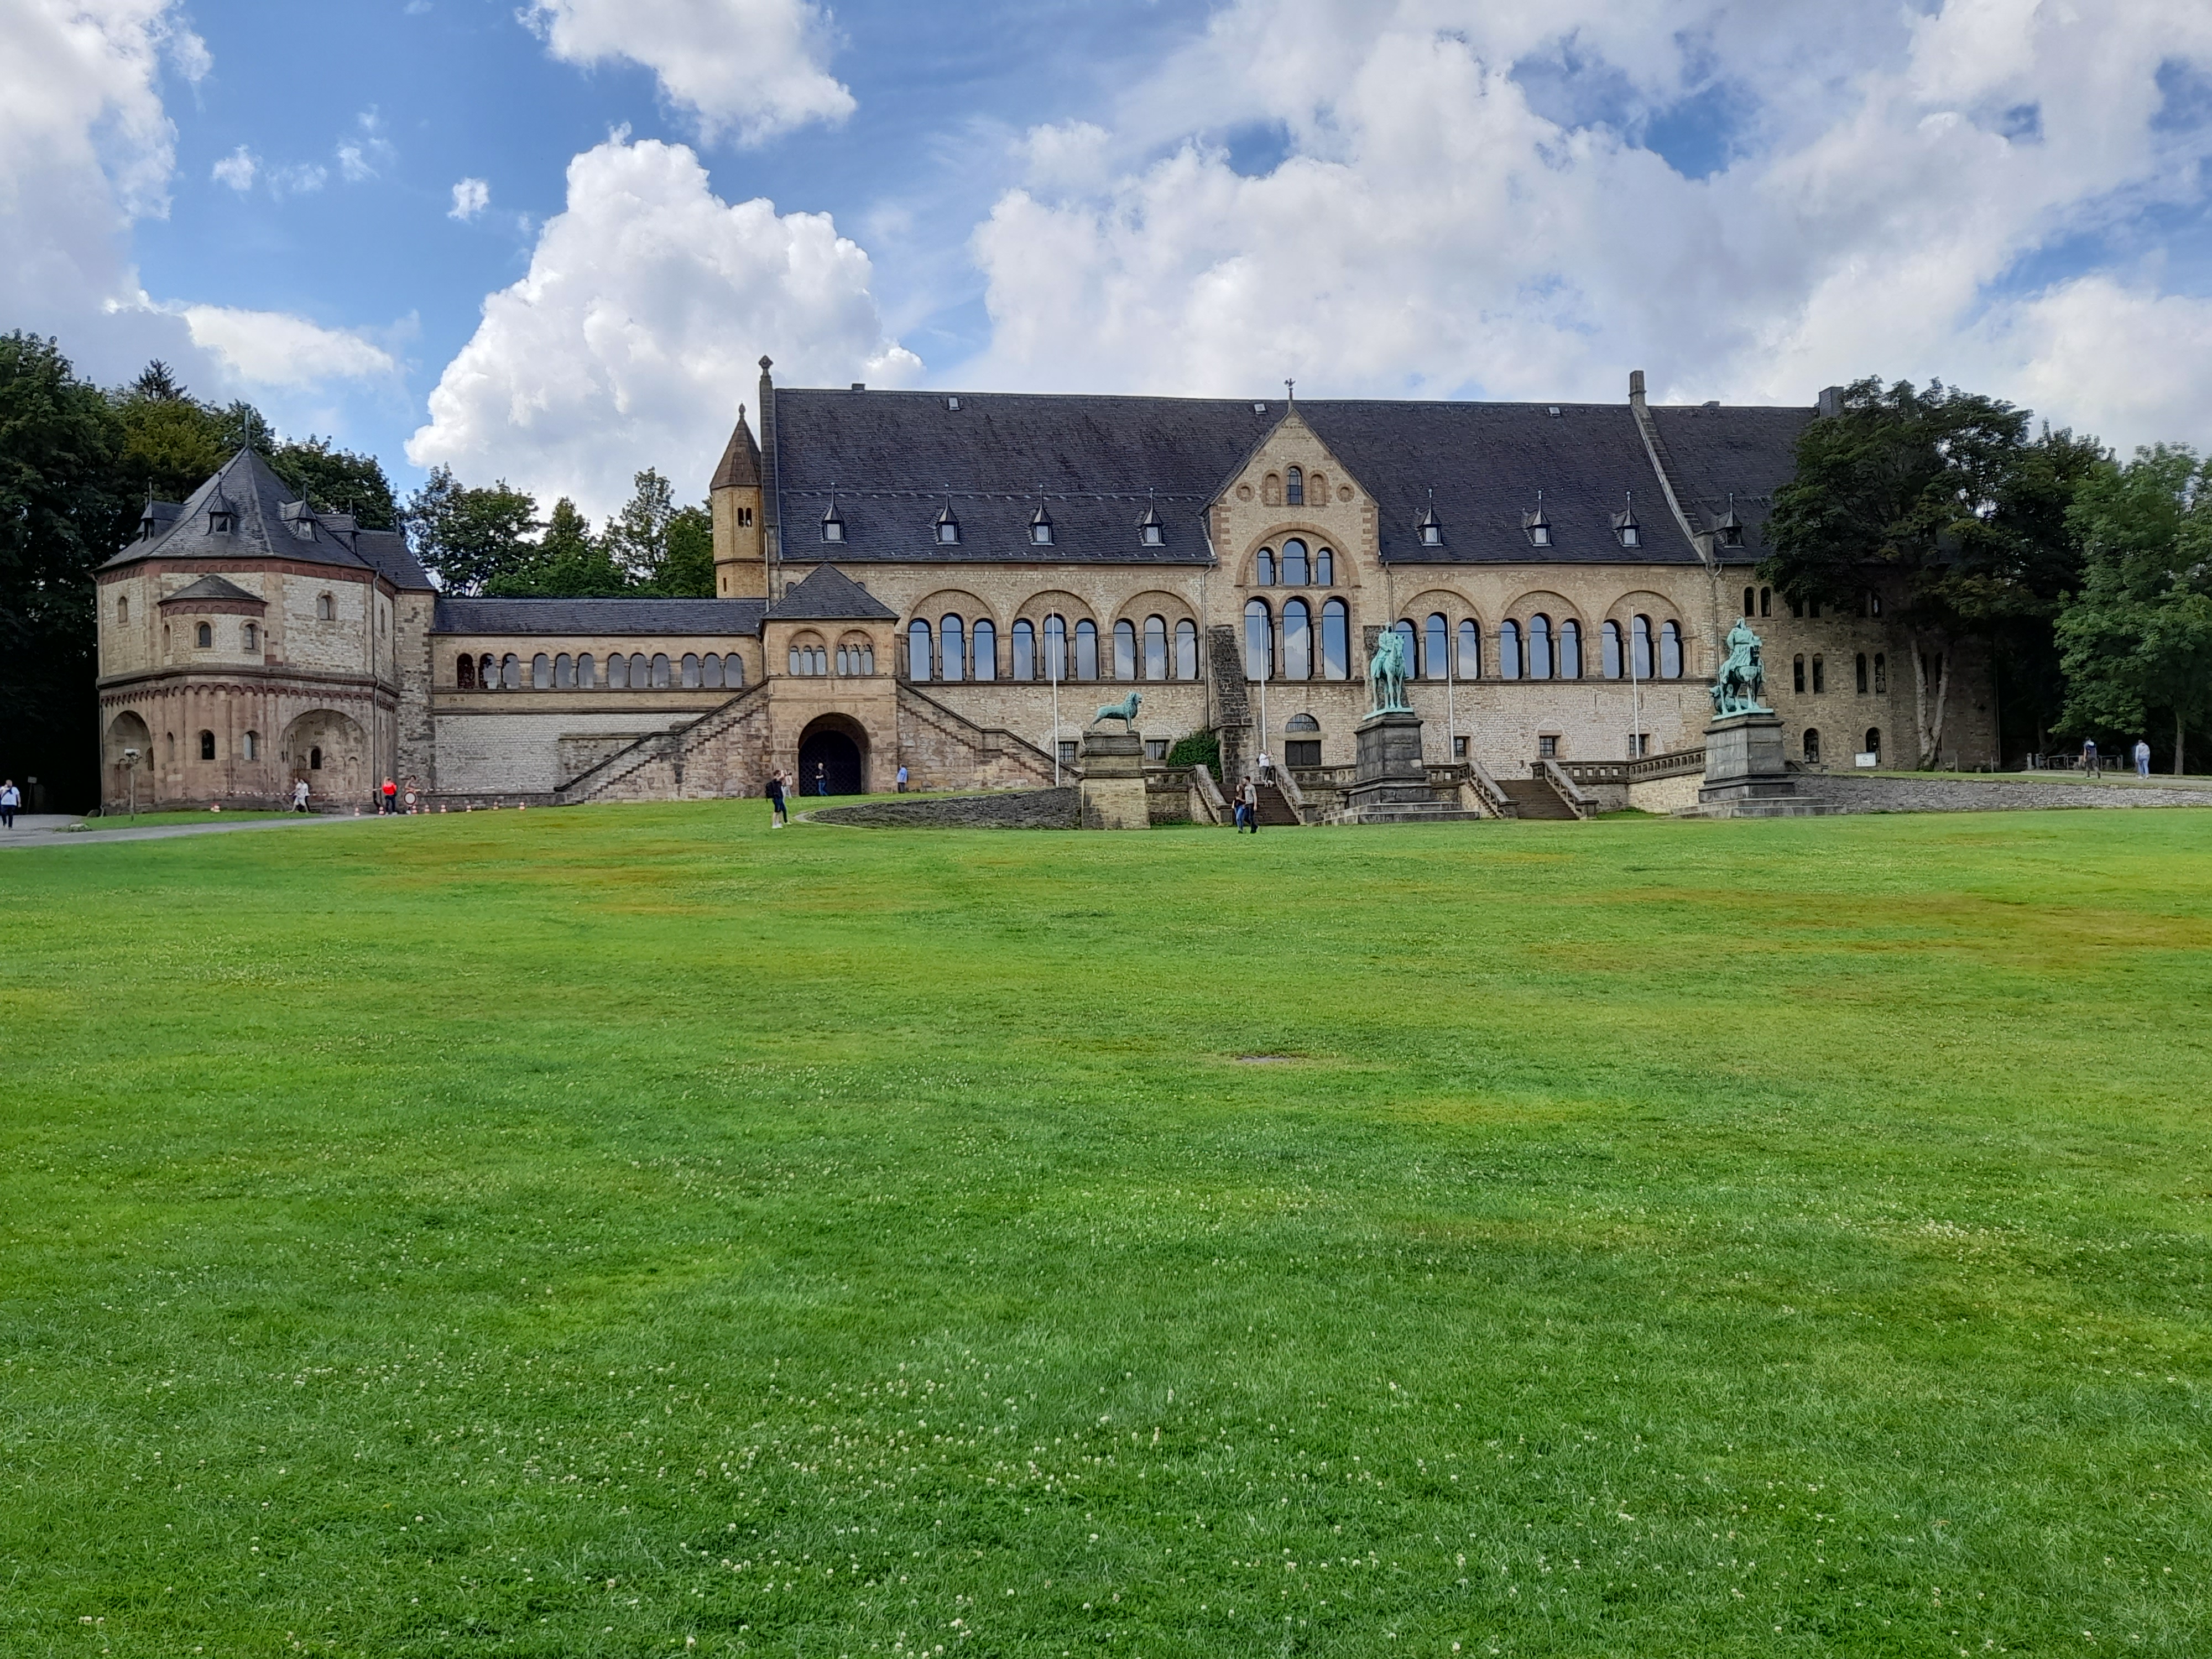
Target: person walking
{"points": [[2142, 758], [300, 794], [902, 778], [821, 777], [2090, 757], [1247, 798], [388, 798], [11, 798], [779, 813], [1267, 767]]}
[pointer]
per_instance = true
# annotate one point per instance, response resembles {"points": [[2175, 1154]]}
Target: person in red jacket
{"points": [[390, 795]]}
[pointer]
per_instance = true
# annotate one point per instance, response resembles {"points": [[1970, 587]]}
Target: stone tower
{"points": [[740, 561]]}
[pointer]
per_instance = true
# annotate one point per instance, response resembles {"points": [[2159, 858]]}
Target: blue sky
{"points": [[1425, 197]]}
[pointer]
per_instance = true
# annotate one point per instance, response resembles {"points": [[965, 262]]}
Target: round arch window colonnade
{"points": [[1437, 648], [955, 648], [634, 672]]}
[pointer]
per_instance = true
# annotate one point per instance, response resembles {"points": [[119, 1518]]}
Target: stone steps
{"points": [[1533, 798]]}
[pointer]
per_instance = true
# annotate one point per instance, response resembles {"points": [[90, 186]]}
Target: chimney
{"points": [[1831, 401], [1636, 386]]}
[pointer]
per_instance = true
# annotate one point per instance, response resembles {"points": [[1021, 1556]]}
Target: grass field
{"points": [[628, 1231]]}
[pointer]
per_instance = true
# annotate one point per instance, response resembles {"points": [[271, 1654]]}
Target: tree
{"points": [[687, 567], [157, 383], [1942, 494], [471, 537], [172, 443], [2136, 640], [637, 536], [65, 506], [567, 563], [338, 481]]}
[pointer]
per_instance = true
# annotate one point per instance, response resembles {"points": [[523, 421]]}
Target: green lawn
{"points": [[592, 1232], [155, 820]]}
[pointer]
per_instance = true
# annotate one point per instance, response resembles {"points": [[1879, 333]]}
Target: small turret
{"points": [[740, 558]]}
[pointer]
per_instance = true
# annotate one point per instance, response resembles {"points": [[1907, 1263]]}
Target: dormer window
{"points": [[302, 518], [952, 405], [947, 526], [1428, 526], [1294, 488], [1151, 532], [833, 523], [1625, 530], [1730, 527], [1537, 528], [1040, 527], [222, 517]]}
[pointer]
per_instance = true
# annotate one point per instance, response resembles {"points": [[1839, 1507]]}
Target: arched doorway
{"points": [[328, 749], [833, 757], [130, 755]]}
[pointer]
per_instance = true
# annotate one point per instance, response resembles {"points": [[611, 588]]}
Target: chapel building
{"points": [[956, 582]]}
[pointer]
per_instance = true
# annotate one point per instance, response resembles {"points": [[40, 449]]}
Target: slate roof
{"points": [[897, 458], [723, 616], [266, 531], [740, 465], [212, 588], [829, 594]]}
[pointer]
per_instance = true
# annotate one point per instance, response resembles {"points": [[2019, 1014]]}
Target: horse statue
{"points": [[1386, 674], [1736, 687], [1124, 711]]}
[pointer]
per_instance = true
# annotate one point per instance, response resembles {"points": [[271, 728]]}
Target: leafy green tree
{"points": [[687, 567], [172, 443], [338, 480], [2136, 640], [1942, 498], [65, 506], [637, 536], [567, 563], [470, 538]]}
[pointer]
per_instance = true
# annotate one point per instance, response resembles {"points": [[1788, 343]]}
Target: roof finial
{"points": [[1290, 391]]}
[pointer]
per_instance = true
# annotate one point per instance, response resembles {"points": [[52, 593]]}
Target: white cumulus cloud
{"points": [[754, 68], [1462, 198], [637, 331], [275, 348], [237, 169], [470, 198]]}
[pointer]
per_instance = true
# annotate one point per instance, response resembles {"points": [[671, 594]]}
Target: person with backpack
{"points": [[11, 799], [779, 813]]}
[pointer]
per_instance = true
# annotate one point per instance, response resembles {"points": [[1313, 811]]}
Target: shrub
{"points": [[1198, 748]]}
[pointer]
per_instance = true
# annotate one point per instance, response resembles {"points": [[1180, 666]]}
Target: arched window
{"points": [[1294, 563], [952, 649], [1325, 569], [510, 671], [1155, 648], [564, 673], [985, 647], [252, 741], [1271, 491], [639, 673], [1124, 650], [1264, 572], [1640, 647], [1509, 651], [1860, 668], [1297, 640], [122, 607], [1024, 651], [1055, 647], [1336, 640], [585, 679], [1765, 601], [844, 660], [252, 637], [1873, 741], [734, 670], [688, 672], [1820, 674], [204, 635], [1469, 666], [1540, 647], [1609, 650], [207, 745], [315, 759], [465, 672], [1259, 641], [660, 677], [1294, 488], [918, 654], [1317, 489], [1812, 747], [1670, 650], [487, 671], [1797, 666], [1186, 650], [326, 608], [619, 672], [1086, 650], [1880, 673], [1570, 649], [710, 670], [1435, 647], [541, 672], [1403, 628], [1750, 601]]}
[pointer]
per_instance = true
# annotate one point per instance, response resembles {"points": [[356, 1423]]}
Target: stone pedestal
{"points": [[1390, 782], [1744, 767], [1113, 788]]}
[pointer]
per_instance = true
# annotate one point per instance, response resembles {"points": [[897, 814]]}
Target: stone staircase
{"points": [[1534, 798], [652, 768], [1274, 810]]}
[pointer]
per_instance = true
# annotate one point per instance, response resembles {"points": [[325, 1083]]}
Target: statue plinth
{"points": [[1390, 778], [1113, 788], [1744, 760]]}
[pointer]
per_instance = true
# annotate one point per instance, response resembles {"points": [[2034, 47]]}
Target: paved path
{"points": [[50, 830]]}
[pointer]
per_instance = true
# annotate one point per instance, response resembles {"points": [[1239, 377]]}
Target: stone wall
{"points": [[1845, 792], [502, 752], [1030, 809]]}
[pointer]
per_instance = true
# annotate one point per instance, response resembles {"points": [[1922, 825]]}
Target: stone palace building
{"points": [[956, 581]]}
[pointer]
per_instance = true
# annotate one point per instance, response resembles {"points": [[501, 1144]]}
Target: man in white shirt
{"points": [[11, 797]]}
